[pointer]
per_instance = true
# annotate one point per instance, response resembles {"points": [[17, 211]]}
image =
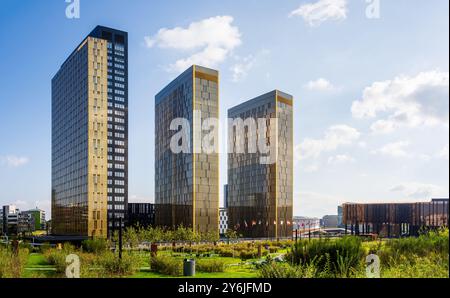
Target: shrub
{"points": [[111, 265], [279, 270], [341, 257], [273, 249], [246, 255], [180, 249], [434, 265], [283, 243], [434, 242], [44, 247], [225, 252], [166, 265], [11, 265], [210, 265], [56, 258], [96, 245]]}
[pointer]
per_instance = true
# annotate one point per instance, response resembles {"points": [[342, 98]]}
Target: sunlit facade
{"points": [[260, 195], [117, 77], [90, 136], [187, 183], [79, 144]]}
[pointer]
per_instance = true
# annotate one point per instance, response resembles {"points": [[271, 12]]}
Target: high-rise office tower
{"points": [[260, 166], [90, 136], [187, 182]]}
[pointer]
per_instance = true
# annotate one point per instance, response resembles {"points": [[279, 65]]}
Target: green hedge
{"points": [[210, 265], [166, 265]]}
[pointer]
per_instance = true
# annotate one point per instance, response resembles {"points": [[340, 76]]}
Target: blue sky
{"points": [[371, 95]]}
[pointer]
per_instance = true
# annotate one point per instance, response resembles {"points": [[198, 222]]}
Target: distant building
{"points": [[439, 200], [14, 221], [37, 218], [25, 223], [340, 214], [142, 214], [396, 219], [10, 219], [329, 221], [223, 221], [1, 221], [304, 223]]}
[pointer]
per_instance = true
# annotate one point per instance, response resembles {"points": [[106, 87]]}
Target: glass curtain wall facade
{"points": [[260, 195], [79, 145], [187, 184], [117, 55], [73, 161]]}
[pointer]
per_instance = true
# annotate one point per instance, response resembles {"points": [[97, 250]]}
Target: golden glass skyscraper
{"points": [[79, 144], [187, 183], [260, 194], [90, 136]]}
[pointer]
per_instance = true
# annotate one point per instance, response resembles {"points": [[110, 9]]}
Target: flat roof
{"points": [[256, 101], [183, 76], [94, 33]]}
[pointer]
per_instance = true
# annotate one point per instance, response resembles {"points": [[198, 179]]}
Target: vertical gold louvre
{"points": [[206, 166], [187, 184], [79, 142], [260, 196], [97, 137]]}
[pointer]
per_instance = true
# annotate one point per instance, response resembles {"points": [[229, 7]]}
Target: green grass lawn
{"points": [[38, 267], [37, 261], [235, 267], [409, 257], [230, 272]]}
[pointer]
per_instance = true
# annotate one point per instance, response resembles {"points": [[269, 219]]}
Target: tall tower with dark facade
{"points": [[187, 183], [260, 184], [90, 136]]}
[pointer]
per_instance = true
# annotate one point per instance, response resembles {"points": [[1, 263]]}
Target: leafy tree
{"points": [[211, 236], [231, 235], [131, 237]]}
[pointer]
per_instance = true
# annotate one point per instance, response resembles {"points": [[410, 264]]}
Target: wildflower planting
{"points": [[424, 256]]}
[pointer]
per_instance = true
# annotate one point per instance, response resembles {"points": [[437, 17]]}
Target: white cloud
{"points": [[340, 159], [443, 153], [212, 41], [241, 69], [320, 84], [396, 149], [407, 102], [383, 126], [424, 157], [243, 65], [335, 136], [311, 168], [362, 144], [422, 191], [13, 161], [323, 10]]}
